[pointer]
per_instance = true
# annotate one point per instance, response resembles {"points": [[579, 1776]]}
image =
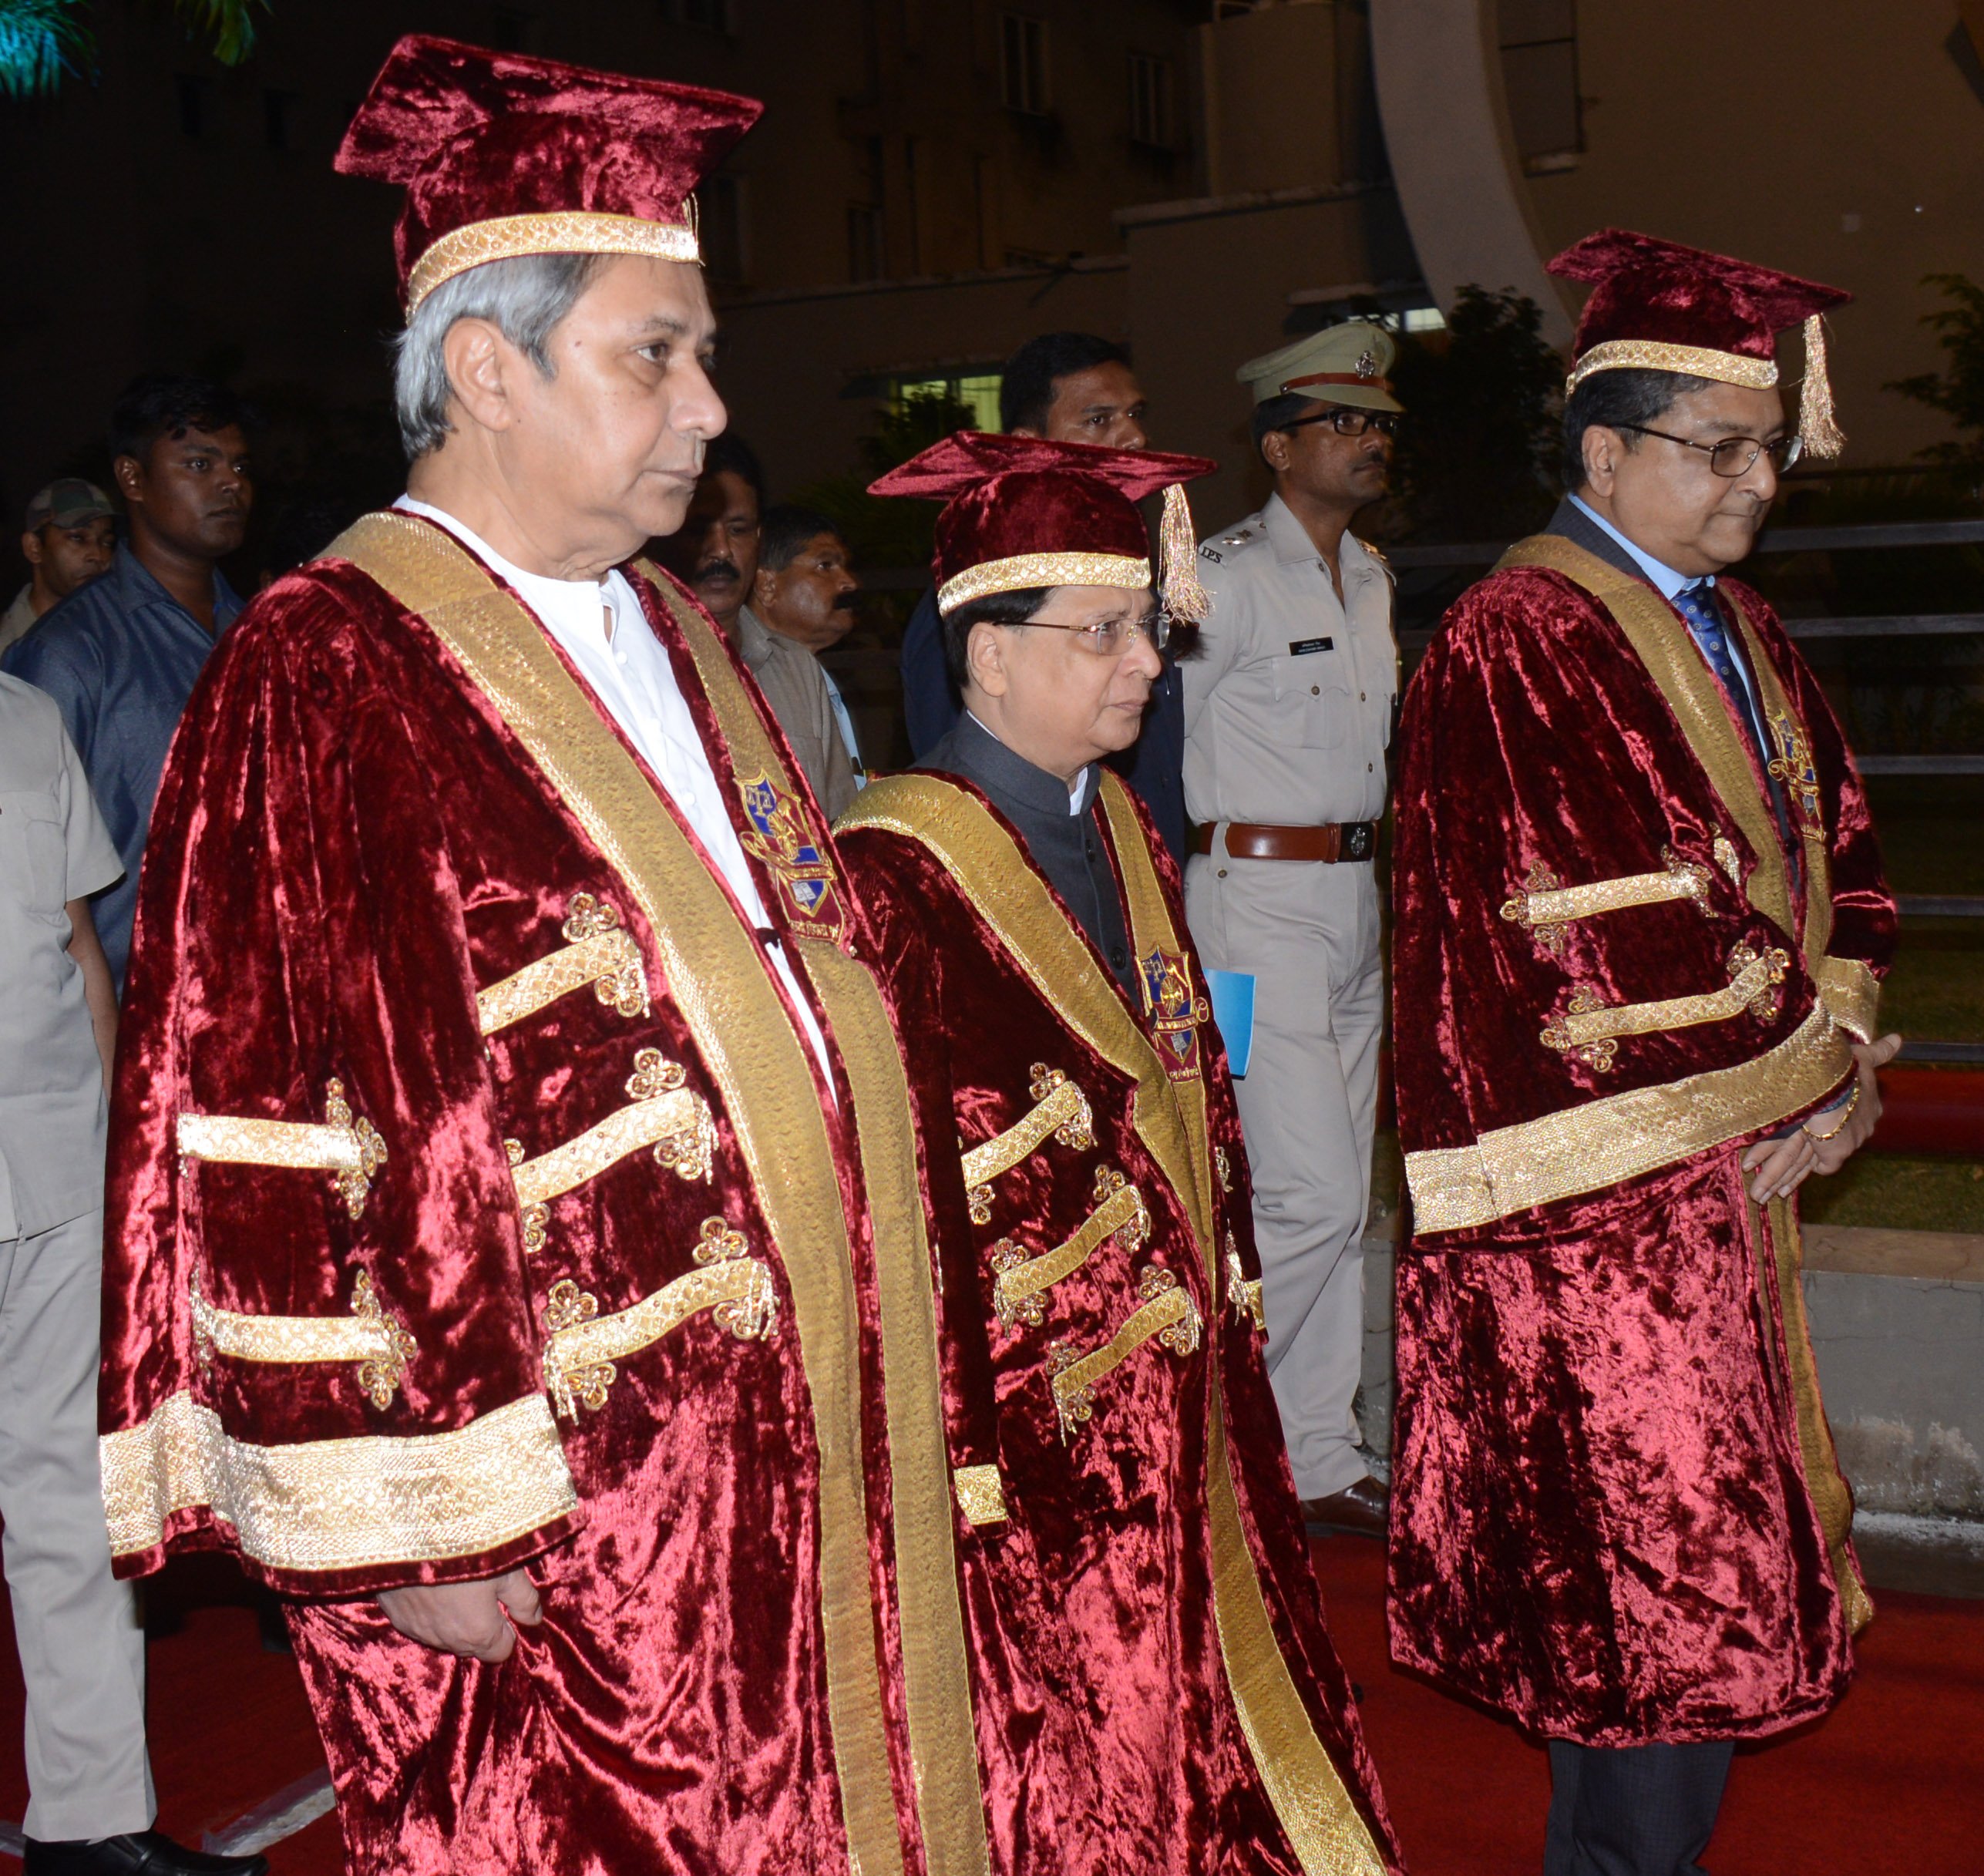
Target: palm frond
{"points": [[40, 41], [231, 24]]}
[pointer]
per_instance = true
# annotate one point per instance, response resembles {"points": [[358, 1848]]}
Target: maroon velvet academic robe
{"points": [[476, 1201], [1154, 1685], [1624, 953]]}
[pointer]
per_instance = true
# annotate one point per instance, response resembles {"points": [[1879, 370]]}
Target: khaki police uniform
{"points": [[1289, 706]]}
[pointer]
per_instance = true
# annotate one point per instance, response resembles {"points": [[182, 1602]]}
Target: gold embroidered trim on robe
{"points": [[1062, 1110], [1243, 1292], [1021, 1281], [341, 1144], [377, 1341], [1169, 1312], [609, 960], [678, 1125], [328, 1505], [584, 1346], [981, 1495], [1781, 1252], [721, 983], [1749, 989], [1600, 1143], [1852, 993], [1561, 905]]}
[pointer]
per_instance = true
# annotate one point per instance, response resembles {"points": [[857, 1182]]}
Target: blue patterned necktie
{"points": [[1697, 605]]}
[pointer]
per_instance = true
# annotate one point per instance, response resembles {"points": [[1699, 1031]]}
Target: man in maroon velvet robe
{"points": [[515, 1191], [1154, 1686], [1640, 921]]}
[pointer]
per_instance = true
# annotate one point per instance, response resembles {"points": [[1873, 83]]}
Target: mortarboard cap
{"points": [[1344, 364], [1021, 512], [1658, 305], [502, 155]]}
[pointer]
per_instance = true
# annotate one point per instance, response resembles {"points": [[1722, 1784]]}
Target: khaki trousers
{"points": [[82, 1649], [1308, 934]]}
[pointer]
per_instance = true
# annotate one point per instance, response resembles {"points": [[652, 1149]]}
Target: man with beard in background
{"points": [[806, 592], [120, 656]]}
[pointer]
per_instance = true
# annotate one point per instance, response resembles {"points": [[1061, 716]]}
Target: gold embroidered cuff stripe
{"points": [[579, 1357], [1075, 1383], [1019, 571], [679, 1121], [609, 959], [1586, 1025], [1851, 993], [341, 1144], [1600, 1143], [378, 1342], [1065, 1107], [1682, 880], [981, 1497], [574, 231], [1124, 1207], [323, 1505]]}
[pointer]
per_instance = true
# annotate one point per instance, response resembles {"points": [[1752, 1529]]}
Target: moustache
{"points": [[846, 602], [715, 570]]}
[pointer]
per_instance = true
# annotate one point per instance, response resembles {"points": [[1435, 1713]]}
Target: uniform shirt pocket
{"points": [[33, 855], [1312, 696]]}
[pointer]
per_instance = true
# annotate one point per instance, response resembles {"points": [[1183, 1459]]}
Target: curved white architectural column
{"points": [[1439, 87]]}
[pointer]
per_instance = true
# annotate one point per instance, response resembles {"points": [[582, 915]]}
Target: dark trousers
{"points": [[1632, 1810]]}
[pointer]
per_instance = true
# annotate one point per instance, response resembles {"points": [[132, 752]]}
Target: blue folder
{"points": [[1233, 1010]]}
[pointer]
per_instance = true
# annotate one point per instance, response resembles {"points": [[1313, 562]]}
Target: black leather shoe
{"points": [[1361, 1510], [139, 1853]]}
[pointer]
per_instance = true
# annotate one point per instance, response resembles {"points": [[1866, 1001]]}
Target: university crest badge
{"points": [[1175, 1013], [1794, 766], [778, 840]]}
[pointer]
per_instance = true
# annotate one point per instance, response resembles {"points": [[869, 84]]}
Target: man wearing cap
{"points": [[1288, 711], [68, 538], [515, 1180], [1131, 1521], [122, 654], [1641, 920]]}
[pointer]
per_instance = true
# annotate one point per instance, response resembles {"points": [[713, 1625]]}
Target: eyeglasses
{"points": [[1351, 422], [1734, 455], [1115, 636]]}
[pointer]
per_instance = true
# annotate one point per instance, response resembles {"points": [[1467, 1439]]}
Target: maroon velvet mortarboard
{"points": [[1658, 305], [502, 155], [1022, 512]]}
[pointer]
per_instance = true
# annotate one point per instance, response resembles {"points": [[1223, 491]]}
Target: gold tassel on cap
{"points": [[1185, 598], [1817, 423]]}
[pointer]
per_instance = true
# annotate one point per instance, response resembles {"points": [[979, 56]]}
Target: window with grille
{"points": [[977, 391], [1023, 66], [1150, 101]]}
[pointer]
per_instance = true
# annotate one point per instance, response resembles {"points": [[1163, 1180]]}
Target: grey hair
{"points": [[523, 298]]}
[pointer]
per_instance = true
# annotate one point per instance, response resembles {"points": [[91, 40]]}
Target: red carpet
{"points": [[1892, 1784]]}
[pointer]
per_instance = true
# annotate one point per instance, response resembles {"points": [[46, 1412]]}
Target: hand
{"points": [[1781, 1165], [1831, 1154], [469, 1619]]}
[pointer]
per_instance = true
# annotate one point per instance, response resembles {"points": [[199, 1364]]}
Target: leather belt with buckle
{"points": [[1246, 840]]}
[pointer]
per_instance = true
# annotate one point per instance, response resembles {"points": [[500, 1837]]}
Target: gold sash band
{"points": [[580, 1356], [1586, 1148], [1169, 1312], [378, 1342], [1062, 1110], [341, 1144], [1018, 1284]]}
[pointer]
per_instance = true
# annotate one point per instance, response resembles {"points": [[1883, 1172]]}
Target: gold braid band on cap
{"points": [[1019, 571], [1638, 354], [574, 231]]}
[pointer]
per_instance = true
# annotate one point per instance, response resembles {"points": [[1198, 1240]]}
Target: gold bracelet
{"points": [[1852, 1101]]}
